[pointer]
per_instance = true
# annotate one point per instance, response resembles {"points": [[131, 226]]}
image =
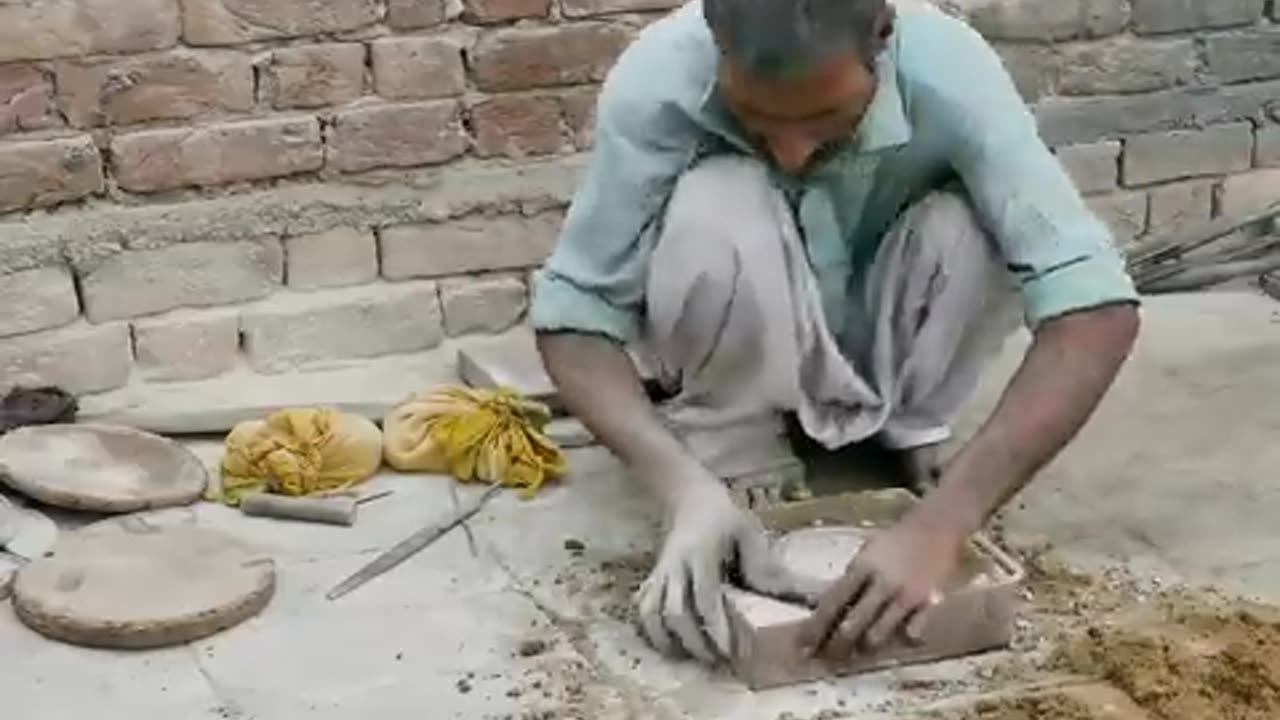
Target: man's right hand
{"points": [[681, 603]]}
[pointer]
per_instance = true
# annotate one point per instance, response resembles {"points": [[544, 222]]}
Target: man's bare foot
{"points": [[923, 468]]}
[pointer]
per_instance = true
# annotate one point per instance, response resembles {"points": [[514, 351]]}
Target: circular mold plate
{"points": [[100, 468], [821, 553], [135, 584]]}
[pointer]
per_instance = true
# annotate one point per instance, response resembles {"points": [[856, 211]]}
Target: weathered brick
{"points": [[37, 299], [1252, 55], [312, 76], [1125, 213], [228, 22], [591, 8], [216, 154], [1033, 68], [579, 108], [1059, 20], [1180, 204], [39, 173], [342, 256], [517, 126], [418, 68], [80, 358], [170, 86], [26, 99], [415, 14], [289, 331], [143, 282], [1081, 120], [1249, 192], [1094, 167], [489, 305], [1124, 65], [404, 135], [493, 11], [473, 244], [1158, 16], [187, 344], [521, 58], [1155, 157], [69, 28], [1266, 151]]}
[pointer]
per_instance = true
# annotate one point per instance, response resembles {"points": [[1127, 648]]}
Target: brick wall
{"points": [[1164, 111], [189, 188], [192, 187]]}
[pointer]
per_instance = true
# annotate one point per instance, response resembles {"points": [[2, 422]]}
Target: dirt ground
{"points": [[1172, 654], [1106, 647]]}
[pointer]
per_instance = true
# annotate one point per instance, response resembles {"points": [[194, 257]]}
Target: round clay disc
{"points": [[25, 532], [8, 568], [822, 553], [128, 583], [100, 468]]}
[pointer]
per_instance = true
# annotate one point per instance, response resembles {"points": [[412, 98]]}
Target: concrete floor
{"points": [[1175, 477]]}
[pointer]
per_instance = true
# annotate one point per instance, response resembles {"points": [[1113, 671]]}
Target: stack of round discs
{"points": [[100, 468], [131, 583]]}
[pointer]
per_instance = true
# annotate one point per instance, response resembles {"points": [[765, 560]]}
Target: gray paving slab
{"points": [[1176, 476], [1176, 473]]}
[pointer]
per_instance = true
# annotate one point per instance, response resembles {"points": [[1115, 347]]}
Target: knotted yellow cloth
{"points": [[491, 436], [303, 451]]}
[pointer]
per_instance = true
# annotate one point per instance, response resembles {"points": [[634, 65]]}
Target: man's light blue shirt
{"points": [[945, 109]]}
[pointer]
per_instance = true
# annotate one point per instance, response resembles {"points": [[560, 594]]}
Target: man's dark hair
{"points": [[780, 37]]}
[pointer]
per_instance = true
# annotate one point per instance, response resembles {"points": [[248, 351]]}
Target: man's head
{"points": [[798, 74]]}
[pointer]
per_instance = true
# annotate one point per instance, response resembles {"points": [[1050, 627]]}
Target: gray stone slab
{"points": [[512, 360], [9, 565], [569, 433], [367, 388], [100, 468], [25, 532], [1175, 474], [402, 643]]}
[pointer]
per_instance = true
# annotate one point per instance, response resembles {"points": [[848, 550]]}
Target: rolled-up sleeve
{"points": [[1063, 255], [595, 278]]}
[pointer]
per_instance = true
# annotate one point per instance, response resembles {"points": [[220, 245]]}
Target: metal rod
{"points": [[375, 496], [409, 546]]}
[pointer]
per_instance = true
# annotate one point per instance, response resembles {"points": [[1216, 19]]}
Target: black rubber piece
{"points": [[37, 406]]}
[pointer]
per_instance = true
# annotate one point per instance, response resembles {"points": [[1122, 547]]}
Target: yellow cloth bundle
{"points": [[300, 452], [491, 436]]}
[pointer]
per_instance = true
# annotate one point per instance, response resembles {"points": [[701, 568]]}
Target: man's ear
{"points": [[884, 27]]}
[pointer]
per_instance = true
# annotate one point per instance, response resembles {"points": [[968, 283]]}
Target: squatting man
{"points": [[827, 214]]}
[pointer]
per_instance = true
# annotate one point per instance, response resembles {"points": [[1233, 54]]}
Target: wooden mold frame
{"points": [[977, 612]]}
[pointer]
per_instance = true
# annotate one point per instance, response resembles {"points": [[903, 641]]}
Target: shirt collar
{"points": [[884, 125]]}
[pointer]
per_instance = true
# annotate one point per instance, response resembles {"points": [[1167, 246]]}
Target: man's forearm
{"points": [[1068, 369], [598, 383]]}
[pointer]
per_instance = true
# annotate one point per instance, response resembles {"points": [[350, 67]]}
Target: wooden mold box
{"points": [[976, 614]]}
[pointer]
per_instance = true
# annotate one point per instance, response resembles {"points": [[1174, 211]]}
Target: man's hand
{"points": [[900, 573], [889, 587], [681, 604]]}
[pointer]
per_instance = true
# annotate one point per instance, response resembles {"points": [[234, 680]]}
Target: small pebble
{"points": [[574, 545], [464, 687], [530, 648]]}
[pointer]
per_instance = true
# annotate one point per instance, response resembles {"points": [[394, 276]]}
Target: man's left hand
{"points": [[889, 587]]}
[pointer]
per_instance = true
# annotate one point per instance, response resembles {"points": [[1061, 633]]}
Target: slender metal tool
{"points": [[409, 546], [374, 496]]}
